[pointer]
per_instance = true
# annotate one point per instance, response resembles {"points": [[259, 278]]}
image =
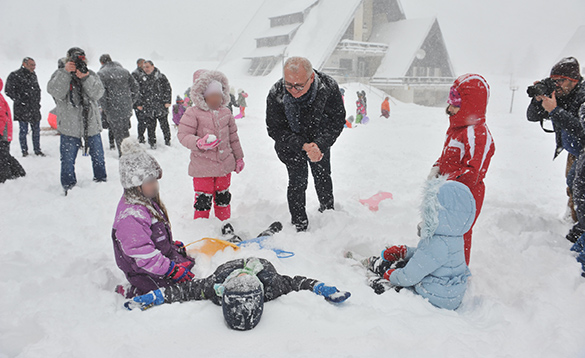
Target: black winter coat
{"points": [[121, 91], [155, 91], [22, 86], [564, 118], [321, 122]]}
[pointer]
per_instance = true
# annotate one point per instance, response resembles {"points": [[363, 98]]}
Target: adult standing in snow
{"points": [[76, 90], [10, 168], [469, 146], [121, 91], [305, 115], [155, 100], [562, 107], [137, 74], [22, 86]]}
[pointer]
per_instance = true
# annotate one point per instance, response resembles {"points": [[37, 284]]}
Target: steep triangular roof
{"points": [[404, 39], [576, 46], [315, 39]]}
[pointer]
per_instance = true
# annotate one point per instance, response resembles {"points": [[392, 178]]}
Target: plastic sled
{"points": [[373, 202], [210, 246]]}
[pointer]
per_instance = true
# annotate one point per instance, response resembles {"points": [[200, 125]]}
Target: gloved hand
{"points": [[394, 253], [181, 247], [388, 273], [204, 145], [434, 173], [179, 272], [144, 302], [331, 293], [239, 165], [380, 285]]}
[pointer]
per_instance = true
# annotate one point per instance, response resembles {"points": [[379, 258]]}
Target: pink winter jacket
{"points": [[199, 120]]}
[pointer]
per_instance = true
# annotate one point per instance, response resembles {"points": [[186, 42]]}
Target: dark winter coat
{"points": [[22, 86], [144, 247], [321, 121], [121, 92], [274, 284], [155, 91], [137, 74], [569, 133]]}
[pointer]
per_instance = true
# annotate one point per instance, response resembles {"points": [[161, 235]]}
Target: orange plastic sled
{"points": [[210, 246]]}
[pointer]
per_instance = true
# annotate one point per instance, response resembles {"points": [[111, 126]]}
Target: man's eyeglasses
{"points": [[296, 86]]}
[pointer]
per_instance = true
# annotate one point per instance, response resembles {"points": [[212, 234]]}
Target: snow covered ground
{"points": [[525, 298]]}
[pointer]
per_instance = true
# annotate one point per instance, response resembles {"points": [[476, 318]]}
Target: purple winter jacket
{"points": [[178, 111], [144, 247]]}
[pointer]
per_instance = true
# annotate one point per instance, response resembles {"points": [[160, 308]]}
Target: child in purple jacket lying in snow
{"points": [[143, 243]]}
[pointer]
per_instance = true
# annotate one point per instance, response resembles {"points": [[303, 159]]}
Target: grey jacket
{"points": [[121, 91], [69, 115]]}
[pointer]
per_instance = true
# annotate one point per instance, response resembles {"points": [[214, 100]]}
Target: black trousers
{"points": [[275, 285], [163, 120], [10, 168], [298, 176], [141, 117]]}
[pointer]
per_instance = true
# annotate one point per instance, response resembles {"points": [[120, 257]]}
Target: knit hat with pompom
{"points": [[137, 166]]}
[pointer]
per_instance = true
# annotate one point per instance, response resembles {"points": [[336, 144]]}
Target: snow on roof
{"points": [[279, 30], [576, 46], [291, 7], [315, 39], [322, 30], [404, 39]]}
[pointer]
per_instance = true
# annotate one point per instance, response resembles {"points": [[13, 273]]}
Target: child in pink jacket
{"points": [[209, 130]]}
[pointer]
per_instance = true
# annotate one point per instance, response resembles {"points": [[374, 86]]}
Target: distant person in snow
{"points": [[436, 268], [178, 110], [561, 106], [140, 117], [233, 102], [361, 108], [241, 287], [209, 130], [241, 102], [121, 92], [386, 108], [76, 90], [22, 86], [10, 168], [469, 146], [154, 102], [305, 115], [143, 243]]}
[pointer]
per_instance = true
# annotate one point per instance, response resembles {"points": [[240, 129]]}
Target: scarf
{"points": [[292, 106]]}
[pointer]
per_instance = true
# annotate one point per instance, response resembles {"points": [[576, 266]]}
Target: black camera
{"points": [[79, 61], [543, 88]]}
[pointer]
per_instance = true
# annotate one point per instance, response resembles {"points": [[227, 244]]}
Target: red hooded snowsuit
{"points": [[469, 146]]}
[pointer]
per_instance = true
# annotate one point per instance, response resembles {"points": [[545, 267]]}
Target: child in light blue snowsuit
{"points": [[436, 268]]}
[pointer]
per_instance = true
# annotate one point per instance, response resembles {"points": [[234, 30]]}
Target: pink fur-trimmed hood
{"points": [[201, 80]]}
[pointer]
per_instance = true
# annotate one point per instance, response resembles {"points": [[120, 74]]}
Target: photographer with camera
{"points": [[76, 91], [559, 98]]}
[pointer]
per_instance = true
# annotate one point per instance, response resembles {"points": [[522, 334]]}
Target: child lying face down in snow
{"points": [[436, 268], [241, 287]]}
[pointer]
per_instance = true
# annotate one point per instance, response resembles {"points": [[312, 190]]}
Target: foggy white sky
{"points": [[483, 36]]}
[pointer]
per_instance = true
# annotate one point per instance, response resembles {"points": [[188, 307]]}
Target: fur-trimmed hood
{"points": [[448, 208], [201, 80]]}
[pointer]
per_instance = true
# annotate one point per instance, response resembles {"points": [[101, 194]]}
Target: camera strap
{"points": [[544, 129]]}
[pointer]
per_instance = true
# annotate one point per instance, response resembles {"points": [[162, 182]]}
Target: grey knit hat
{"points": [[137, 166]]}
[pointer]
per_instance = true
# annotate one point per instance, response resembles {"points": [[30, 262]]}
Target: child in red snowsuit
{"points": [[469, 146]]}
